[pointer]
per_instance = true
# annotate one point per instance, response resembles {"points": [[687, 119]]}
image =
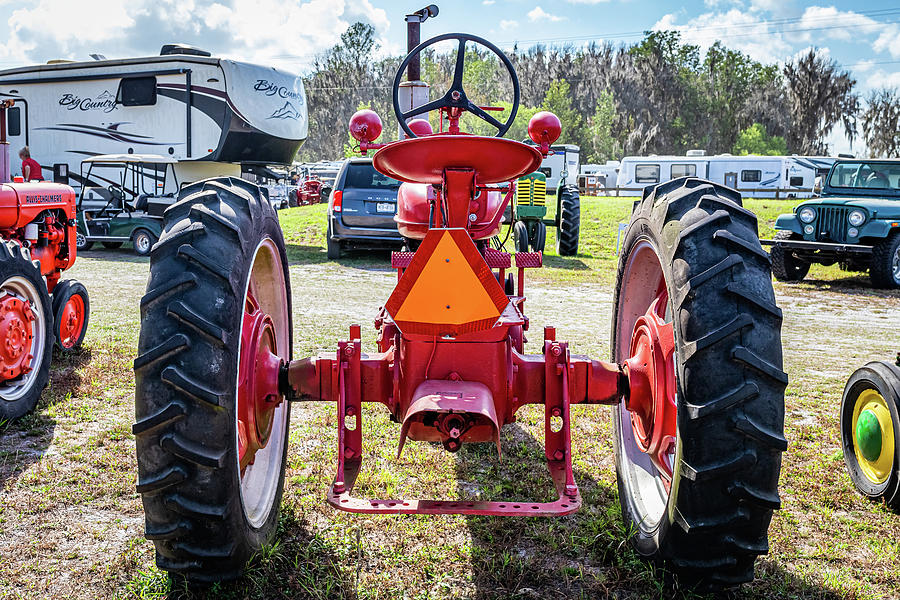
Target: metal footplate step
{"points": [[564, 505], [558, 373]]}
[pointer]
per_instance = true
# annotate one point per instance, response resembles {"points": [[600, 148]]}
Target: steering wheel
{"points": [[456, 96], [116, 193]]}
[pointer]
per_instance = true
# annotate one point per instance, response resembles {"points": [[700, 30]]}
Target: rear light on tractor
{"points": [[337, 197]]}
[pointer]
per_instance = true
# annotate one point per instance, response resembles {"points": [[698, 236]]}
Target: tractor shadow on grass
{"points": [[583, 555], [539, 557], [300, 564], [858, 285], [567, 263], [114, 254], [365, 260], [23, 442]]}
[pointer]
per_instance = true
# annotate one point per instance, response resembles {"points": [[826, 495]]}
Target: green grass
{"points": [[71, 523]]}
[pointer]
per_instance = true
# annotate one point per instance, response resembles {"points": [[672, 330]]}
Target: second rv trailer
{"points": [[759, 176]]}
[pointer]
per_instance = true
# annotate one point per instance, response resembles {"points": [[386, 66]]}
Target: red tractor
{"points": [[308, 191], [37, 310], [695, 382]]}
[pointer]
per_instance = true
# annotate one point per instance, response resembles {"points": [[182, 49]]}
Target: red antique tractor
{"points": [[37, 243], [695, 382], [308, 191]]}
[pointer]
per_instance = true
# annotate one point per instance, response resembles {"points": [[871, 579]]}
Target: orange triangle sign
{"points": [[448, 289]]}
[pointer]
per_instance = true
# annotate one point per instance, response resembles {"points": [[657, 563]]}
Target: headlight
{"points": [[807, 215], [856, 218]]}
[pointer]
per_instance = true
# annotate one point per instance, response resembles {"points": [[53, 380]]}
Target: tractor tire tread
{"points": [[748, 459], [747, 391], [163, 481], [720, 280], [172, 412], [191, 254], [187, 352], [173, 345], [180, 311], [748, 296], [176, 379], [172, 286], [569, 228], [191, 451]]}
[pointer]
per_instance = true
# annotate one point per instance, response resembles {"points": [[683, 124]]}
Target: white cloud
{"points": [[737, 29], [881, 78], [539, 14], [507, 25], [488, 2], [243, 29], [831, 23], [587, 1], [864, 66]]}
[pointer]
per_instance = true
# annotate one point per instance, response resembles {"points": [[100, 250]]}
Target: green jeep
{"points": [[855, 222]]}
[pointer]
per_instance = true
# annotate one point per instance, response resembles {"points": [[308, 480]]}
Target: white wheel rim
{"points": [[24, 290], [260, 481], [643, 482], [142, 242]]}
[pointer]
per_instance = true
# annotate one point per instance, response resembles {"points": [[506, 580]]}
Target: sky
{"points": [[863, 37]]}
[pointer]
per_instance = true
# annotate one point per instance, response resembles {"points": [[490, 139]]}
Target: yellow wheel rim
{"points": [[878, 466]]}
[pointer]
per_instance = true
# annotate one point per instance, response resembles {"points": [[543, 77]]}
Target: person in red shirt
{"points": [[31, 170]]}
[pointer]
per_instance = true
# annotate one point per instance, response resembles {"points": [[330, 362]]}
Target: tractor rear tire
{"points": [[885, 269], [569, 218], [784, 266], [729, 378], [221, 240], [540, 237], [20, 276], [874, 388], [520, 233], [70, 301]]}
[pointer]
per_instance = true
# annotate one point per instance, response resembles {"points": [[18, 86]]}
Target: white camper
{"points": [[758, 176], [211, 115], [606, 174]]}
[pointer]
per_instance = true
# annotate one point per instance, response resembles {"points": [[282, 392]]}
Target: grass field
{"points": [[71, 524]]}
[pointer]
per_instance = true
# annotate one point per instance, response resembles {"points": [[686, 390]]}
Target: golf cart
{"points": [[130, 207]]}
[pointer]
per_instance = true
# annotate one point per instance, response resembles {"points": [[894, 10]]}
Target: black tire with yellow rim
{"points": [[870, 423]]}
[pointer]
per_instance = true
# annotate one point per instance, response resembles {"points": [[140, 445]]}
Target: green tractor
{"points": [[530, 224]]}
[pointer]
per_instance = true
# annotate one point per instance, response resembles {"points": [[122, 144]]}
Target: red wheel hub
{"points": [[258, 391], [651, 378], [71, 321], [16, 333]]}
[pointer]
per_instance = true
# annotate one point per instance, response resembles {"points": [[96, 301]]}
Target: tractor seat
{"points": [[142, 202], [424, 159]]}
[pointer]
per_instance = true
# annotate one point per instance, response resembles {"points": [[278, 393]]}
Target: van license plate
{"points": [[384, 207]]}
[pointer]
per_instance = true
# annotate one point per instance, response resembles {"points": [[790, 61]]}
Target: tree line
{"points": [[658, 96]]}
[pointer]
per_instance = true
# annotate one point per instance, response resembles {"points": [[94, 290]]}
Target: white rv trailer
{"points": [[759, 176], [210, 114], [609, 171]]}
